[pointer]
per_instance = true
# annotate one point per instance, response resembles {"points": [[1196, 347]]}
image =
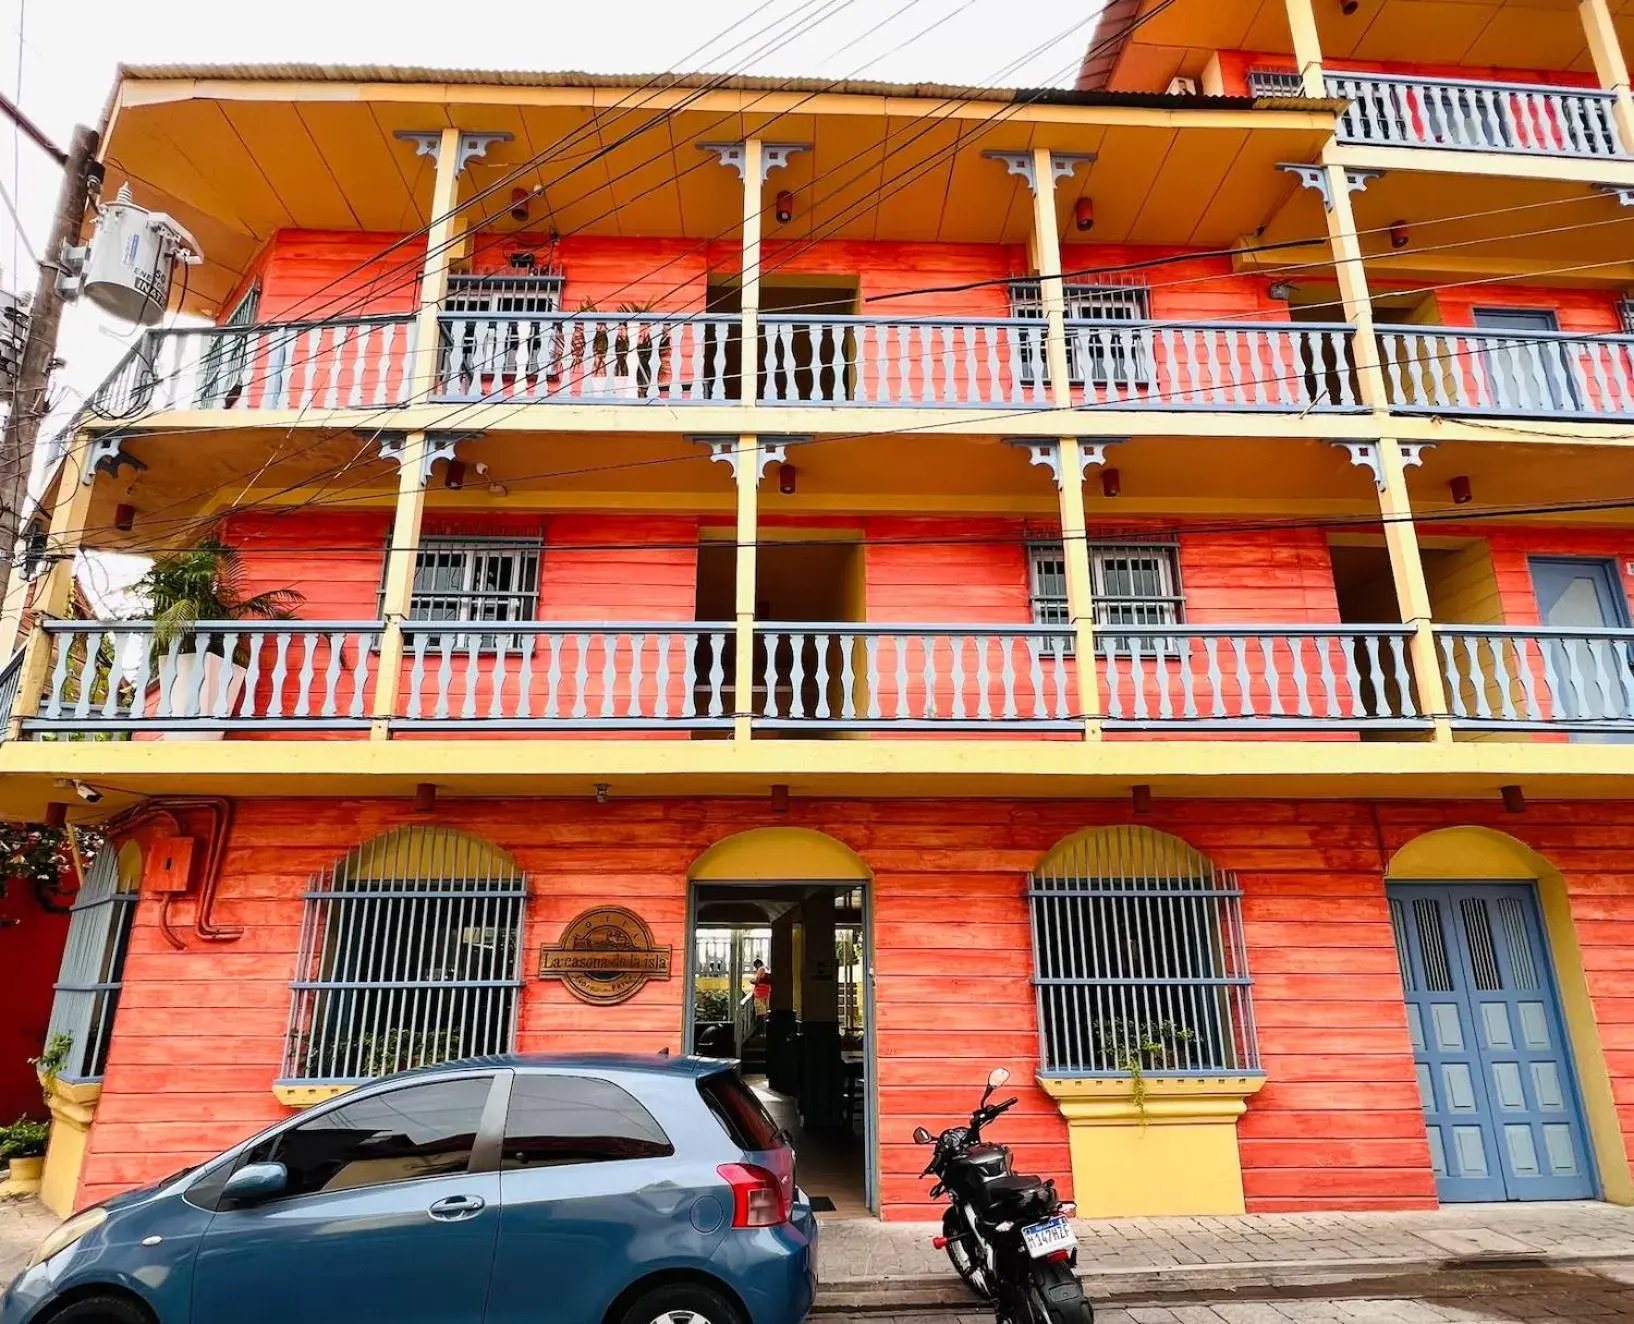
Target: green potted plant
{"points": [[22, 1145], [620, 365], [204, 582], [1138, 1045]]}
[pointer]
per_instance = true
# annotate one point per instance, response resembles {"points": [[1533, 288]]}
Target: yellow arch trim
{"points": [[427, 851], [1130, 848], [1459, 853], [780, 854], [130, 866]]}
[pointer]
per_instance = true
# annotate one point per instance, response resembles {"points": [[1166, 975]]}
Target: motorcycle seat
{"points": [[1013, 1190]]}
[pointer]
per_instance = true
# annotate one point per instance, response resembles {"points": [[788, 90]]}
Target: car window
{"points": [[577, 1119], [418, 1131], [740, 1112]]}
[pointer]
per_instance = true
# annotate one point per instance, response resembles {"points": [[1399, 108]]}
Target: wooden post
{"points": [[445, 196], [55, 591], [399, 591], [749, 358], [1307, 49], [1610, 65], [1400, 535], [1074, 536], [748, 484]]}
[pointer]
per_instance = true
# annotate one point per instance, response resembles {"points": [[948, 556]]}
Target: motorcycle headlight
{"points": [[61, 1238]]}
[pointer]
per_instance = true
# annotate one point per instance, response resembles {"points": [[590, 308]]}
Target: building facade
{"points": [[1128, 584]]}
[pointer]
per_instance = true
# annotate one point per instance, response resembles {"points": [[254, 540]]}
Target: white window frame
{"points": [[1116, 615], [1275, 83], [1115, 357], [469, 344], [470, 601]]}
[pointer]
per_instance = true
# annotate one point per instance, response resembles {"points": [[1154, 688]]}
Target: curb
{"points": [[1202, 1282]]}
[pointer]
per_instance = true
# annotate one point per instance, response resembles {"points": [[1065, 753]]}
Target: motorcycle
{"points": [[1008, 1235]]}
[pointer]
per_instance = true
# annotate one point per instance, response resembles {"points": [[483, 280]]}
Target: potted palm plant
{"points": [[204, 582]]}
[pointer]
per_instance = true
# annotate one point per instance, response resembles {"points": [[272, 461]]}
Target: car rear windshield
{"points": [[740, 1112]]}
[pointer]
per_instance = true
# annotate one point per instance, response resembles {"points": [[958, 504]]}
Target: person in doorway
{"points": [[761, 987]]}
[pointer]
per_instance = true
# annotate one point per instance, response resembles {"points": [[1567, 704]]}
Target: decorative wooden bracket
{"points": [[1047, 455], [428, 142], [1062, 164], [1365, 455], [1316, 177], [724, 450], [773, 156]]}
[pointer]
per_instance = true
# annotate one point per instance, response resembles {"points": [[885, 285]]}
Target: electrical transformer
{"points": [[13, 336], [127, 268]]}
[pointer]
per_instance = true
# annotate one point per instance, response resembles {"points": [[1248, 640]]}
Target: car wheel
{"points": [[681, 1303], [102, 1310]]}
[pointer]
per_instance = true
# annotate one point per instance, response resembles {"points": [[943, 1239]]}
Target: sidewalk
{"points": [[867, 1264], [22, 1224]]}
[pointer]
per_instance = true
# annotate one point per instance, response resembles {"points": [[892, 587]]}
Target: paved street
{"points": [[22, 1224], [1579, 1295]]}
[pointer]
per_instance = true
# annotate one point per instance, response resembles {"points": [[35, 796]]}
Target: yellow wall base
{"points": [[304, 1096], [1177, 1155], [73, 1109], [22, 1178]]}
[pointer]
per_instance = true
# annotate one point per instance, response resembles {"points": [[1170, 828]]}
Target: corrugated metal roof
{"points": [[373, 73]]}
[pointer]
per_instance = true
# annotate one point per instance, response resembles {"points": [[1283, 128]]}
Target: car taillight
{"points": [[757, 1196]]}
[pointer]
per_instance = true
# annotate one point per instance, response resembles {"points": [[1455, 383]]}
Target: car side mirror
{"points": [[921, 1136], [255, 1182]]}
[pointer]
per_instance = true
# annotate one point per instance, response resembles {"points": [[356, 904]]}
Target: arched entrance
{"points": [[778, 930], [1516, 1096]]}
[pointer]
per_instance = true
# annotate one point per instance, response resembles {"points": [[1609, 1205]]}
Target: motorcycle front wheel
{"points": [[1055, 1296], [966, 1255]]}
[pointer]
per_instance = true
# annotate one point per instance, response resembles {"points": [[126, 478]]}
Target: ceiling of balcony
{"points": [[236, 162], [1496, 34]]}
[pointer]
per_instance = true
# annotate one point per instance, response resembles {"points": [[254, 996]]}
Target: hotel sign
{"points": [[606, 955]]}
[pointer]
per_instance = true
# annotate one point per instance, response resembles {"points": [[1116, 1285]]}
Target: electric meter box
{"points": [[132, 259]]}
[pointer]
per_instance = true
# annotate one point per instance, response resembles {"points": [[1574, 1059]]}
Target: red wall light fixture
{"points": [[1111, 483], [1083, 213], [1462, 492], [788, 477], [785, 207], [1400, 235]]}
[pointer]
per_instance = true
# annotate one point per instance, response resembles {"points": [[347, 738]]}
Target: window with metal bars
{"points": [[1100, 351], [488, 327], [1131, 584], [221, 373], [409, 956], [1138, 960], [93, 966], [1275, 83], [475, 579], [1625, 316]]}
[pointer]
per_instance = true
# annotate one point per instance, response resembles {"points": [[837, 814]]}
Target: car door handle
{"points": [[453, 1208]]}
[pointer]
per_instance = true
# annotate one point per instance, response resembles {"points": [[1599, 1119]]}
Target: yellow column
{"points": [[749, 360], [1400, 535], [399, 591], [55, 591], [1074, 537], [1307, 49], [1610, 66], [445, 197], [748, 476]]}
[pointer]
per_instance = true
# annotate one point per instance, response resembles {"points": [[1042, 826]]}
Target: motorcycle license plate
{"points": [[1048, 1237]]}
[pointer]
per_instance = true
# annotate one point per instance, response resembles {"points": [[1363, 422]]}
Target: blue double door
{"points": [[1494, 1069]]}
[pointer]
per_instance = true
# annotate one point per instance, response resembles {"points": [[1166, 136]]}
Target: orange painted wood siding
{"points": [[1512, 547], [200, 1032]]}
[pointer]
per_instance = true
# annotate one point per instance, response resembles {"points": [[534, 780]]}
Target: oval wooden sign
{"points": [[606, 955]]}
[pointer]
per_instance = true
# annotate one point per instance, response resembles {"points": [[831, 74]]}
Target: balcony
{"points": [[1532, 374], [1533, 678], [1458, 115], [678, 359]]}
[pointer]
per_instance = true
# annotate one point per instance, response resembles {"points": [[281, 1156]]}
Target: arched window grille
{"points": [[409, 956], [1138, 959], [93, 963]]}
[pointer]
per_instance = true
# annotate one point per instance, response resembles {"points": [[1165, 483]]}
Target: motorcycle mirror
{"points": [[921, 1136], [996, 1077]]}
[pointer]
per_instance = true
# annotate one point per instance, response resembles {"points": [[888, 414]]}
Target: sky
{"points": [[57, 60]]}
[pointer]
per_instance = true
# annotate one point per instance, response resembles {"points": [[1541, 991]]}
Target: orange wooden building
{"points": [[1130, 584]]}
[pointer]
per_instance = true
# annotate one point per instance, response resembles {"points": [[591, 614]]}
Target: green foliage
{"points": [[42, 858], [206, 583], [24, 1138], [53, 1057], [710, 1005], [1137, 1046]]}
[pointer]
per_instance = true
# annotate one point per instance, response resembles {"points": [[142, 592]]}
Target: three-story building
{"points": [[1129, 584]]}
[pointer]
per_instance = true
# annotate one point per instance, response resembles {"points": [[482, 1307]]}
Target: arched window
{"points": [[409, 955], [1138, 959], [93, 961]]}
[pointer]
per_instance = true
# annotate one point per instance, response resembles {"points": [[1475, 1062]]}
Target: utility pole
{"points": [[29, 395]]}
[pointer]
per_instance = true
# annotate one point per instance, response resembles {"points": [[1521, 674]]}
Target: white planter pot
{"points": [[218, 672]]}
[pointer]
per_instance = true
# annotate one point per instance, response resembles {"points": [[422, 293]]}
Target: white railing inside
{"points": [[675, 358], [1264, 676], [902, 361], [1469, 371], [215, 675], [348, 363], [1539, 677], [524, 674], [850, 676], [1278, 367], [1474, 116]]}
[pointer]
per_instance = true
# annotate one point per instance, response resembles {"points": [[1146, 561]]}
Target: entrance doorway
{"points": [[1495, 1076], [777, 979]]}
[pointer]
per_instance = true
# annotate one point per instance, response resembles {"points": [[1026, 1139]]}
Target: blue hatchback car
{"points": [[504, 1190]]}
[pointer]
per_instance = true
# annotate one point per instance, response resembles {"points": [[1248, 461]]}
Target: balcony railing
{"points": [[346, 363], [1538, 678], [850, 676], [529, 674], [1265, 677], [1271, 366], [1451, 370], [1474, 116], [219, 676]]}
